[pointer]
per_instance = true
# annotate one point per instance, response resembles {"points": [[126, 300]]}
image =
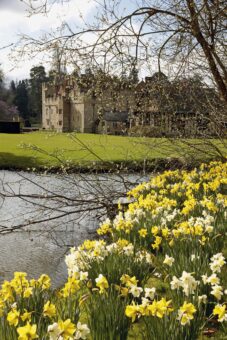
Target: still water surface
{"points": [[41, 248]]}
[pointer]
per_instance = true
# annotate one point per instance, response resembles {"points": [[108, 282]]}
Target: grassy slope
{"points": [[82, 148]]}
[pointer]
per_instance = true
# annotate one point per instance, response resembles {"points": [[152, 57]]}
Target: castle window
{"points": [[60, 122], [48, 121], [60, 111]]}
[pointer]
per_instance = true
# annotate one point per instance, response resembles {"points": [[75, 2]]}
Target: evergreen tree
{"points": [[13, 87], [21, 98], [37, 77], [133, 76]]}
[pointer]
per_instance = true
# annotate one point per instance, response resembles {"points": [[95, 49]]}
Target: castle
{"points": [[103, 104], [81, 103]]}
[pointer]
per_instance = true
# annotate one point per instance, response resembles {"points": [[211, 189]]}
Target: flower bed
{"points": [[157, 271]]}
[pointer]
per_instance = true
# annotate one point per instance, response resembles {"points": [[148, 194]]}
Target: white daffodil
{"points": [[111, 247], [145, 302], [213, 279], [129, 249], [54, 331], [83, 276], [188, 283], [202, 299], [135, 291], [217, 291], [175, 283], [217, 262], [150, 292], [82, 331], [193, 257], [209, 229], [204, 279], [168, 261]]}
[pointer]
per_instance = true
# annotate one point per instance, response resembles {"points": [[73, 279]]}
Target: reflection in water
{"points": [[41, 248]]}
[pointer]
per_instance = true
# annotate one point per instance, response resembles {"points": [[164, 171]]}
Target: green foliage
{"points": [[115, 265], [21, 98], [168, 328], [37, 77], [106, 315]]}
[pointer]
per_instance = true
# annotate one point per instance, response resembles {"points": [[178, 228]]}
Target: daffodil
{"points": [[157, 242], [101, 283], [135, 291], [13, 317], [160, 308], [27, 332], [26, 316], [44, 282], [132, 311], [217, 262], [186, 313], [54, 331], [49, 309], [82, 331], [67, 329], [154, 230], [142, 232], [128, 280], [27, 292], [150, 292], [168, 261], [7, 291], [217, 291], [220, 311], [71, 286]]}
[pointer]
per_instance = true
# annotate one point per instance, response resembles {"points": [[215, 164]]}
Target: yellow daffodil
{"points": [[101, 283], [142, 232], [160, 308], [28, 292], [44, 282], [129, 281], [67, 329], [220, 311], [71, 286], [7, 291], [186, 313], [27, 332], [13, 317], [132, 311], [157, 242], [26, 316], [49, 309], [154, 230]]}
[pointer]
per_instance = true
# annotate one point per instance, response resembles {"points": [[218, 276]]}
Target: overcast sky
{"points": [[14, 21]]}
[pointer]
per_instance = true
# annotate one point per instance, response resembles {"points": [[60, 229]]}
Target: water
{"points": [[36, 202]]}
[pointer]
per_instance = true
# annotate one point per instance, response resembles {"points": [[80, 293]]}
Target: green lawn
{"points": [[39, 149]]}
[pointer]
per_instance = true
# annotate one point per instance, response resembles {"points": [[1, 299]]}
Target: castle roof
{"points": [[115, 116]]}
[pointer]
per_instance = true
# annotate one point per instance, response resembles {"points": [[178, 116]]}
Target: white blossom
{"points": [[135, 291], [217, 291], [150, 292], [168, 261], [82, 331]]}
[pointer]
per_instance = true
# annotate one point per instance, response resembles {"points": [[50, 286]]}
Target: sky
{"points": [[14, 21]]}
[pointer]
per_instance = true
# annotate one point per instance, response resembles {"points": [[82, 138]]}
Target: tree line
{"points": [[23, 97]]}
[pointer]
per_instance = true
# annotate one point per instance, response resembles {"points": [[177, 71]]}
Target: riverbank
{"points": [[54, 152]]}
